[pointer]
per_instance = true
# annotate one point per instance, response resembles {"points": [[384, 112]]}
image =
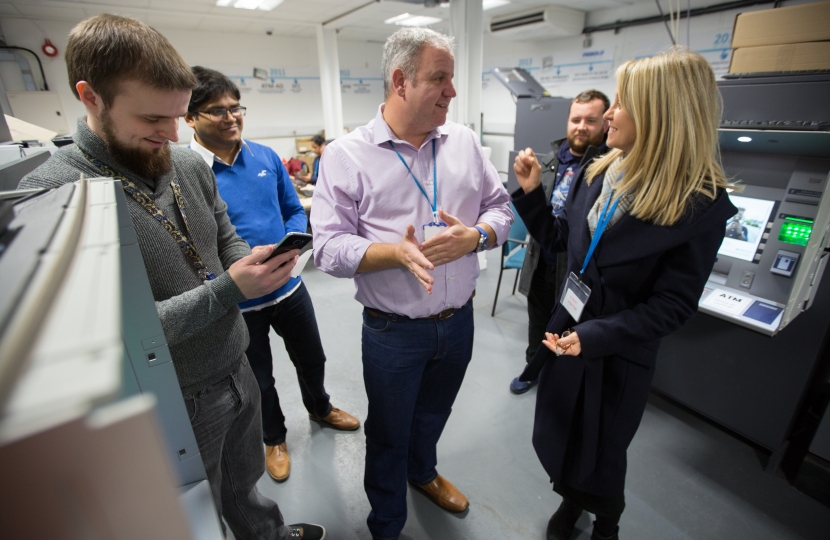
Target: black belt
{"points": [[444, 315]]}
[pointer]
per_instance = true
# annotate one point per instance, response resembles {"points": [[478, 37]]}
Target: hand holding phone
{"points": [[292, 240]]}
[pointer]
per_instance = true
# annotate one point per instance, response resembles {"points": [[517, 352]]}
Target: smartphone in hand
{"points": [[292, 240]]}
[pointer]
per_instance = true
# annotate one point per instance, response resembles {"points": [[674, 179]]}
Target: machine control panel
{"points": [[770, 261], [785, 262]]}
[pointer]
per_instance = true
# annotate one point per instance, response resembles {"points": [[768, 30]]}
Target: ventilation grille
{"points": [[517, 22]]}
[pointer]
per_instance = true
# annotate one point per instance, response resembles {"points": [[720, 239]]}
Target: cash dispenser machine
{"points": [[95, 439], [757, 346], [540, 118]]}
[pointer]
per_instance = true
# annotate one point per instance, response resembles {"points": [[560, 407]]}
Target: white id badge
{"points": [[575, 297], [433, 228]]}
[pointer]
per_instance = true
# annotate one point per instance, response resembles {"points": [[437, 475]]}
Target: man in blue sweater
{"points": [[262, 204]]}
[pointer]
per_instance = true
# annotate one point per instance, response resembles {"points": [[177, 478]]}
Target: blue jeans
{"points": [[412, 369], [226, 421], [294, 321]]}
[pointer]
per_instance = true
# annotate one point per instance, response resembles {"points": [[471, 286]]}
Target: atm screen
{"points": [[745, 229]]}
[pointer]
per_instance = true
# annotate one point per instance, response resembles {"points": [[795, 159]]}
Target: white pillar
{"points": [[467, 28], [330, 81]]}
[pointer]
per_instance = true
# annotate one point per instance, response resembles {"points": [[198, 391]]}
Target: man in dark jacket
{"points": [[543, 272]]}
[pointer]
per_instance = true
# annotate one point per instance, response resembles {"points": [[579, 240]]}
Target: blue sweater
{"points": [[262, 203]]}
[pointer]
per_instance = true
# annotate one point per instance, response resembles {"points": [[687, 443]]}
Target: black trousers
{"points": [[294, 321]]}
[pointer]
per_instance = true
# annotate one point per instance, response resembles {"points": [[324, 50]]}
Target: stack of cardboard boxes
{"points": [[784, 39], [304, 152]]}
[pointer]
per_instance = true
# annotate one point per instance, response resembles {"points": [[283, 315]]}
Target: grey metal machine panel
{"points": [[750, 379], [12, 173], [540, 121], [152, 365], [771, 98], [751, 383]]}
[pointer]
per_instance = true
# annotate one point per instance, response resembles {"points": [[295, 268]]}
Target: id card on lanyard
{"points": [[576, 293], [436, 226]]}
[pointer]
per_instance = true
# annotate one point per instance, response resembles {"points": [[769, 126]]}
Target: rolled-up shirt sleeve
{"points": [[338, 249], [495, 202]]}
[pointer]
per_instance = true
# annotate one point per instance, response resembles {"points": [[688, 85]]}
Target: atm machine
{"points": [[758, 344], [95, 440], [540, 118]]}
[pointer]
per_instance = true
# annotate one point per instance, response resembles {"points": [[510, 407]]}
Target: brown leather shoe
{"points": [[444, 494], [338, 420], [278, 462]]}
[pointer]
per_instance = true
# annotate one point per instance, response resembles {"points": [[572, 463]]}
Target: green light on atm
{"points": [[795, 233], [799, 220]]}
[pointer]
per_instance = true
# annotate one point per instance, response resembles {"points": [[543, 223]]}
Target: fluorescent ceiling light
{"points": [[268, 5], [419, 20], [247, 4], [265, 5], [394, 20], [405, 19], [490, 4]]}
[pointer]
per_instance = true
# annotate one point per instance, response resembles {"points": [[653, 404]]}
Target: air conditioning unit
{"points": [[537, 24]]}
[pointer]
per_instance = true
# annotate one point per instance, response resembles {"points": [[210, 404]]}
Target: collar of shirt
{"points": [[210, 157], [383, 133]]}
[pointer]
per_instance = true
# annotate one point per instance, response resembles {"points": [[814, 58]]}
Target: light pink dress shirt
{"points": [[365, 195]]}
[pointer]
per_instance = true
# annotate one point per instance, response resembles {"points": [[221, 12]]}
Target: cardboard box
{"points": [[791, 57], [794, 24], [309, 160], [303, 145]]}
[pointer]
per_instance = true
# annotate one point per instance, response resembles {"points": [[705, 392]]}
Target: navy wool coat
{"points": [[645, 283]]}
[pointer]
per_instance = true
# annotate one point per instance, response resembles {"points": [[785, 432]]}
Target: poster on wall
{"points": [[587, 67], [361, 81], [715, 47], [719, 55], [265, 80]]}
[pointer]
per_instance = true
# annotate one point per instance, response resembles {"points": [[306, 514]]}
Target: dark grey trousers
{"points": [[227, 422]]}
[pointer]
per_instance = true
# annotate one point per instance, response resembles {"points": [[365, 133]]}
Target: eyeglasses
{"points": [[219, 113]]}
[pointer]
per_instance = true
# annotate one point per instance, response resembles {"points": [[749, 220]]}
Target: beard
{"points": [[578, 147], [146, 163]]}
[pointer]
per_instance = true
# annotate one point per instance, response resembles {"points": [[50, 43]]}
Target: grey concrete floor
{"points": [[687, 479]]}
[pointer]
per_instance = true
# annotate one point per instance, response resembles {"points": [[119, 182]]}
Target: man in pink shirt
{"points": [[402, 205]]}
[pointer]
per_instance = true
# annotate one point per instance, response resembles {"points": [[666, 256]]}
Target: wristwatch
{"points": [[482, 240]]}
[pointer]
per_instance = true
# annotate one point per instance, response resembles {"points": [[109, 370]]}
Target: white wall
{"points": [[708, 33], [271, 119]]}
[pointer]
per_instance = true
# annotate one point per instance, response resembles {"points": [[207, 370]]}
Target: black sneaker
{"points": [[520, 387], [307, 531]]}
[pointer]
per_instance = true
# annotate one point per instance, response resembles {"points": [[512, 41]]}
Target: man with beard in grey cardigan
{"points": [[135, 87]]}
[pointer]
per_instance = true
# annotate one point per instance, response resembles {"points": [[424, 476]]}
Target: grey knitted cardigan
{"points": [[205, 331]]}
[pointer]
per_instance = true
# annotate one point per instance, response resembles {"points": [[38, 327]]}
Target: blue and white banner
{"points": [[361, 81]]}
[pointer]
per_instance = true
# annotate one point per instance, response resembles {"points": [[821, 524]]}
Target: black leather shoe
{"points": [[597, 536], [562, 522]]}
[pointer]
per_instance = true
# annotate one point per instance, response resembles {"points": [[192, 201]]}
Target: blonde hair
{"points": [[675, 105]]}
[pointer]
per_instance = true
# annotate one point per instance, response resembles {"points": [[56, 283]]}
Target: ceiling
{"points": [[291, 18]]}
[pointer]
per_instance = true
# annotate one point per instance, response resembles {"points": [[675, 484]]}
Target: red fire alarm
{"points": [[49, 50]]}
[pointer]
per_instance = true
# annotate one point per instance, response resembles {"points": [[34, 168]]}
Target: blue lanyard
{"points": [[434, 204], [604, 218]]}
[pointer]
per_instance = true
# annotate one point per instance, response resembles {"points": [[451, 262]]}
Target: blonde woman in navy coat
{"points": [[657, 207]]}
